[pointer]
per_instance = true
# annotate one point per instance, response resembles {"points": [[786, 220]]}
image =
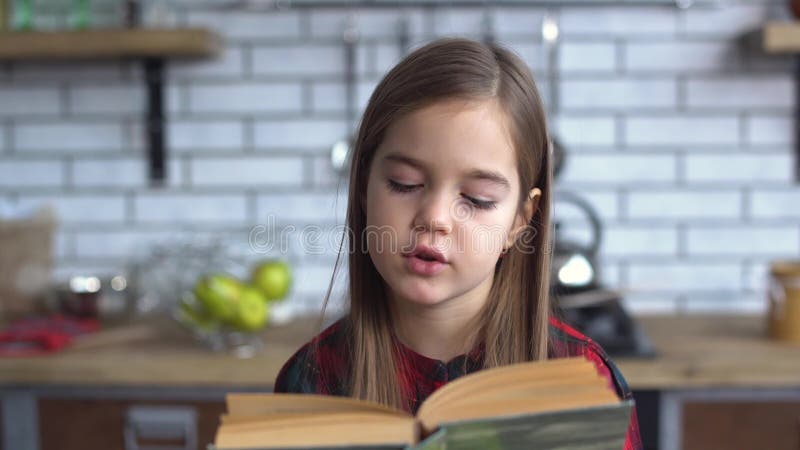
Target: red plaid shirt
{"points": [[325, 370]]}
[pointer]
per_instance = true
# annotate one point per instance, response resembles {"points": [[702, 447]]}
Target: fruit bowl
{"points": [[229, 312], [221, 294]]}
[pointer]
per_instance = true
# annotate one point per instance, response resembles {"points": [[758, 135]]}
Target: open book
{"points": [[553, 404]]}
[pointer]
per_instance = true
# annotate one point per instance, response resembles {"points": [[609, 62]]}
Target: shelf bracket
{"points": [[155, 122]]}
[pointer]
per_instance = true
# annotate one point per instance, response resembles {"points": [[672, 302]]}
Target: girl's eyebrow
{"points": [[481, 174]]}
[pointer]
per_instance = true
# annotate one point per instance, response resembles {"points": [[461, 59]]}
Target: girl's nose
{"points": [[435, 214]]}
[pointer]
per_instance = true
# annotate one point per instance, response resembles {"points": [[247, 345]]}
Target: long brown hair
{"points": [[513, 324]]}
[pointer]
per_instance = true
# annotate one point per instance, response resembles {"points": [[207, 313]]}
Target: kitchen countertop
{"points": [[694, 351]]}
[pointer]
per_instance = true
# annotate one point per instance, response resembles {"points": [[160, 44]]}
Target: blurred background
{"points": [[140, 171]]}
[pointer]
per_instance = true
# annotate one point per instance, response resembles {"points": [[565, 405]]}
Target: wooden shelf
{"points": [[109, 44], [781, 37]]}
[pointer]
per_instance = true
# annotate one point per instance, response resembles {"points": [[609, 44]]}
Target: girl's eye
{"points": [[397, 187], [480, 204]]}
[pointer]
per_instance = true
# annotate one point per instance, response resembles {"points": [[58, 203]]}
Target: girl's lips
{"points": [[422, 267]]}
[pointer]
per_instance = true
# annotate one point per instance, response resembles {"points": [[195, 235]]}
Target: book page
{"points": [[506, 375], [246, 404]]}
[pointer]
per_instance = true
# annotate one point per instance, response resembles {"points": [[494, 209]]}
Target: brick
{"points": [[25, 100], [587, 57], [639, 241], [614, 169], [247, 171], [743, 240], [770, 130], [618, 21], [682, 130], [728, 22], [619, 94], [738, 168], [20, 173], [107, 100], [328, 97], [604, 203], [229, 64], [531, 53], [775, 204], [683, 275], [245, 98], [301, 134], [387, 56], [750, 92], [303, 207], [80, 208], [516, 22], [237, 25], [371, 23], [193, 135], [457, 22], [68, 137], [120, 172], [680, 57], [186, 208], [575, 130], [323, 174], [299, 59], [684, 204]]}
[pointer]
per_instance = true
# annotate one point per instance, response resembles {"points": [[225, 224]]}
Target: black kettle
{"points": [[574, 266]]}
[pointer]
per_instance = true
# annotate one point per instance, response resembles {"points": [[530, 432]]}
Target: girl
{"points": [[449, 221]]}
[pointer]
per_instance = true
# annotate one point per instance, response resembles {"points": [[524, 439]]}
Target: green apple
{"points": [[219, 295], [252, 311], [273, 278]]}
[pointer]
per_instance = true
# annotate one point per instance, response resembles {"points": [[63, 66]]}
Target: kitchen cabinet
{"points": [[111, 424]]}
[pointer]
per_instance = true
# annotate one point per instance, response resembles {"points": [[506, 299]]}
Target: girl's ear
{"points": [[525, 218]]}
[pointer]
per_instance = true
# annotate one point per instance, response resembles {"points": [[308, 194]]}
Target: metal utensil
{"points": [[550, 34], [341, 151]]}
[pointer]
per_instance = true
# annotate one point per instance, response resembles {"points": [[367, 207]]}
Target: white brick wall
{"points": [[26, 100], [245, 98], [67, 136], [682, 130], [680, 139], [167, 208], [246, 172], [619, 94]]}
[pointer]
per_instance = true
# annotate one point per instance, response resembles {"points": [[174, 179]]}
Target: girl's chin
{"points": [[421, 298]]}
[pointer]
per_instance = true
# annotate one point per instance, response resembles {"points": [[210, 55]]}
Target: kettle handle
{"points": [[591, 214]]}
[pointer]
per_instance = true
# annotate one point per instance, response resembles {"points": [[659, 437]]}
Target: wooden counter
{"points": [[696, 351]]}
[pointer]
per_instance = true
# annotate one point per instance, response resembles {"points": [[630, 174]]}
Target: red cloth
{"points": [[43, 335], [325, 371]]}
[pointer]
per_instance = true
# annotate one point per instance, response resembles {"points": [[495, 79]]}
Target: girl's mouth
{"points": [[422, 266]]}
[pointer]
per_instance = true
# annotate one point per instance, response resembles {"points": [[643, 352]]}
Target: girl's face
{"points": [[445, 177]]}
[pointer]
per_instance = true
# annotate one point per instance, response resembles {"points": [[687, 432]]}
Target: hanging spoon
{"points": [[341, 151]]}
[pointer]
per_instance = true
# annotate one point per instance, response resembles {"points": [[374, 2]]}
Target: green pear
{"points": [[252, 311], [219, 295], [273, 278]]}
